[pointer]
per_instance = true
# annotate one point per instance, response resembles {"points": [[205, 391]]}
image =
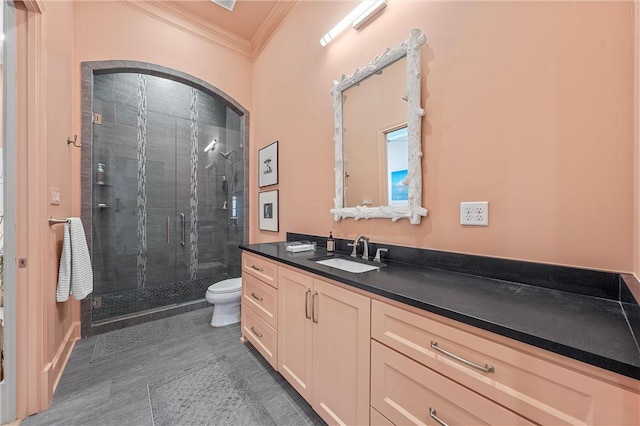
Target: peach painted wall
{"points": [[115, 30], [529, 105], [59, 318], [46, 330]]}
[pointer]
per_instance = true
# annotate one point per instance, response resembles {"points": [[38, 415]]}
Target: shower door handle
{"points": [[184, 230], [168, 229]]}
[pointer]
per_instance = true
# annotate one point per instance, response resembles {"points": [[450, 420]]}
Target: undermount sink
{"points": [[346, 264]]}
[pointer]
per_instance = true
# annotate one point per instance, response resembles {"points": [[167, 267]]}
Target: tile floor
{"points": [[113, 391]]}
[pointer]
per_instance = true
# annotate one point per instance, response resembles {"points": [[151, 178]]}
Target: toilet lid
{"points": [[226, 286]]}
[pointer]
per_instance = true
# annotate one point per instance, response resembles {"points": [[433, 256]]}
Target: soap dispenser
{"points": [[331, 243]]}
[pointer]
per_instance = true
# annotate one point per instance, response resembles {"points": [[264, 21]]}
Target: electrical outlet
{"points": [[474, 213]]}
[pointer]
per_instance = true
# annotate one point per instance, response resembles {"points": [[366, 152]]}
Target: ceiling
{"points": [[245, 29], [244, 21]]}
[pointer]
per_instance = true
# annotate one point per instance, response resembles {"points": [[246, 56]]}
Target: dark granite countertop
{"points": [[590, 329]]}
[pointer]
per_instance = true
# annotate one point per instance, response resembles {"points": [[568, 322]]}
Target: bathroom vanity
{"points": [[409, 344]]}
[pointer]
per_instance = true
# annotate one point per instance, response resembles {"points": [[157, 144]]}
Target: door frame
{"points": [[8, 385]]}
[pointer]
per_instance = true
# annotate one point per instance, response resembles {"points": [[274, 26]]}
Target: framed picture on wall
{"points": [[268, 165], [268, 205]]}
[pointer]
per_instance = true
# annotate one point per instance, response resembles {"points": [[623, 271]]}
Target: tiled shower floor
{"points": [[114, 305]]}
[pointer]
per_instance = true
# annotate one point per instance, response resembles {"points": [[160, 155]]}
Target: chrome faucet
{"points": [[354, 244], [379, 252]]}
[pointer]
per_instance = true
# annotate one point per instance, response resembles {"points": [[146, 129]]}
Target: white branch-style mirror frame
{"points": [[413, 210]]}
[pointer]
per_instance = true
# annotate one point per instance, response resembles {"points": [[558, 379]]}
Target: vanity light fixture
{"points": [[358, 17], [369, 15], [210, 146]]}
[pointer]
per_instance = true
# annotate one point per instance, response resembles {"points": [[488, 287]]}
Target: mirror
{"points": [[378, 151], [374, 134]]}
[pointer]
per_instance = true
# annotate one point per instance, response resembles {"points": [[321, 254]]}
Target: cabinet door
{"points": [[294, 329], [408, 393], [341, 354]]}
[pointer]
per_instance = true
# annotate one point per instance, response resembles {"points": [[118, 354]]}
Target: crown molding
{"points": [[271, 24], [35, 6], [192, 24], [196, 26]]}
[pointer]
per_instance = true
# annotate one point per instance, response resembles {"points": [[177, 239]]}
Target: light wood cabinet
{"points": [[263, 337], [294, 319], [260, 268], [522, 381], [360, 361], [324, 345], [407, 392], [259, 308], [261, 298], [377, 419]]}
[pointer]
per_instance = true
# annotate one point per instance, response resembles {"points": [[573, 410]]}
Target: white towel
{"points": [[75, 275]]}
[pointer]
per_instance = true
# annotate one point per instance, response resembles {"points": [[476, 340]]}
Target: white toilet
{"points": [[225, 298]]}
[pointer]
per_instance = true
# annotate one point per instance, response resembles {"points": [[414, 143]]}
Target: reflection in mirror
{"points": [[397, 166], [378, 140], [371, 109]]}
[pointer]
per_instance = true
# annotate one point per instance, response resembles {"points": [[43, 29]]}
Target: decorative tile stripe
{"points": [[142, 180], [193, 202]]}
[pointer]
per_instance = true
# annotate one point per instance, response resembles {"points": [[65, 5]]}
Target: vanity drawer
{"points": [[377, 419], [260, 268], [538, 389], [263, 337], [406, 392], [262, 298]]}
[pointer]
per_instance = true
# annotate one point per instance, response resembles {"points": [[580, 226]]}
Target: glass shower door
{"points": [[168, 108], [166, 213]]}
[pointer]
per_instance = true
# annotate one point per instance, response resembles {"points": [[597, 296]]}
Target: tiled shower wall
{"points": [[151, 140]]}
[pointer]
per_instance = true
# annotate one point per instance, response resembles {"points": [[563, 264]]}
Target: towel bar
{"points": [[54, 221]]}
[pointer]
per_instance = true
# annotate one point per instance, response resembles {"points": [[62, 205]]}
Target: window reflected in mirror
{"points": [[397, 143]]}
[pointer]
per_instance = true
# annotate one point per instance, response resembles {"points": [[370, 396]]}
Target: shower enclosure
{"points": [[163, 186]]}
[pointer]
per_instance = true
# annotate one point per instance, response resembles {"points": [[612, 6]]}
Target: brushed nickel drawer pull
{"points": [[432, 414], [486, 368], [257, 268], [306, 304], [257, 297], [253, 330], [313, 307]]}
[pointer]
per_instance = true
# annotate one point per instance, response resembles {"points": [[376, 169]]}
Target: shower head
{"points": [[226, 155]]}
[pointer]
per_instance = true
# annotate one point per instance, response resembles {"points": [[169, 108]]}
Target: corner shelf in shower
{"points": [[102, 206]]}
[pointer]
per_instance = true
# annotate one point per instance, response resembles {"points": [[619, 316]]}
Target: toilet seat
{"points": [[230, 285]]}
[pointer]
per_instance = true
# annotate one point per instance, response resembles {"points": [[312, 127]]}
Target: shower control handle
{"points": [[184, 230]]}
